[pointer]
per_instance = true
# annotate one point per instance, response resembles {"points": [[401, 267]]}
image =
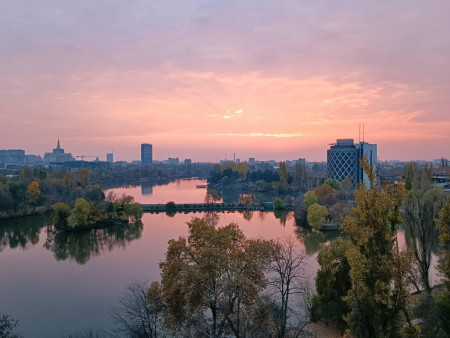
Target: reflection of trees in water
{"points": [[283, 216], [313, 239], [82, 245], [212, 217], [21, 231], [247, 214]]}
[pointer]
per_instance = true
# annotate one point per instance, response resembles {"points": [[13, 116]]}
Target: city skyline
{"points": [[203, 79]]}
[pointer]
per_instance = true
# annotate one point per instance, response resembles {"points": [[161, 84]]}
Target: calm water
{"points": [[56, 284]]}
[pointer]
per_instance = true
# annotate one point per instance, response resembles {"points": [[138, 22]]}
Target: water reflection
{"points": [[81, 246], [146, 189], [21, 232], [313, 239]]}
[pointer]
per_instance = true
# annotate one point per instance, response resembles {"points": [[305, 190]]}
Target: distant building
{"points": [[33, 159], [343, 160], [188, 161], [251, 160], [12, 156], [302, 161], [110, 157], [173, 161], [58, 155], [238, 160], [146, 153]]}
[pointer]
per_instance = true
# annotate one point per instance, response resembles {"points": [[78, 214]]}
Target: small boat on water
{"points": [[202, 186]]}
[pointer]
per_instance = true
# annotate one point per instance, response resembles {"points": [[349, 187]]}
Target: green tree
{"points": [[215, 269], [316, 215], [378, 270], [33, 193], [335, 184], [333, 283], [79, 216], [310, 199], [420, 208], [61, 212], [278, 204]]}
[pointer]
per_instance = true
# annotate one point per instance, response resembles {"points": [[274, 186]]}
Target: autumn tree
{"points": [[316, 215], [284, 176], [310, 199], [420, 208], [214, 269], [69, 179], [377, 268], [85, 176], [33, 193]]}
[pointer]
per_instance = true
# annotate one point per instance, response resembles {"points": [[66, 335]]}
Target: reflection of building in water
{"points": [[58, 155], [147, 189]]}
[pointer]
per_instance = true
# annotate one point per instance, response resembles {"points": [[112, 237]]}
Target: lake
{"points": [[56, 284]]}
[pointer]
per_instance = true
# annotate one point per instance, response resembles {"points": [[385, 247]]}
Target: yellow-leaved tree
{"points": [[378, 269], [33, 193]]}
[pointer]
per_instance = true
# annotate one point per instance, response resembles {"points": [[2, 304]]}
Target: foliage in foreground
{"points": [[217, 283]]}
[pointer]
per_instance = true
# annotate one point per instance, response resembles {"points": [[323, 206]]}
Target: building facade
{"points": [[146, 153], [12, 156], [344, 160], [110, 157], [58, 155]]}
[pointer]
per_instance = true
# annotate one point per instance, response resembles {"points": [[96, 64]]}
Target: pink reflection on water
{"points": [[179, 191]]}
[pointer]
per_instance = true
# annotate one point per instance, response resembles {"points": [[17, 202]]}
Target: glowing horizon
{"points": [[203, 79]]}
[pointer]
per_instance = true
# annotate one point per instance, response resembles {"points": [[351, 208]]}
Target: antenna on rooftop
{"points": [[359, 135]]}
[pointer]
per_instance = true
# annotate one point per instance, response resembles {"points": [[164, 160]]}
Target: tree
{"points": [[79, 216], [33, 193], [7, 325], [377, 269], [443, 300], [278, 204], [300, 176], [335, 184], [310, 199], [284, 176], [85, 176], [69, 179], [326, 195], [61, 212], [420, 208], [333, 283], [410, 168], [316, 215], [139, 311], [214, 269], [288, 282]]}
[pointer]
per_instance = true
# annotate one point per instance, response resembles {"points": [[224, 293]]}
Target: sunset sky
{"points": [[203, 79]]}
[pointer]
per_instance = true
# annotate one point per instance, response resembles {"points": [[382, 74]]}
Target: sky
{"points": [[205, 79]]}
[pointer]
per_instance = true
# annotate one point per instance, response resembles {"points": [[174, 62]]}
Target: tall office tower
{"points": [[344, 160], [110, 157], [146, 153]]}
